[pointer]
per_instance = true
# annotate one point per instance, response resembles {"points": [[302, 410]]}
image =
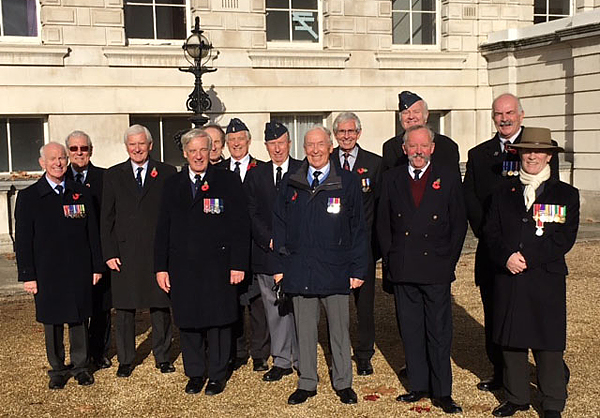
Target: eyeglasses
{"points": [[74, 148], [347, 132]]}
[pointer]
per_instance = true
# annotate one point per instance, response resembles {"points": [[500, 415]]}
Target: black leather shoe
{"points": [[347, 396], [58, 381], [490, 385], [214, 387], [259, 365], [84, 378], [447, 404], [102, 362], [567, 372], [239, 362], [551, 414], [364, 367], [300, 396], [276, 373], [194, 385], [165, 367], [124, 370], [508, 409], [412, 396]]}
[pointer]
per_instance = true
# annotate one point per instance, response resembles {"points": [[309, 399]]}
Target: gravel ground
{"points": [[147, 393]]}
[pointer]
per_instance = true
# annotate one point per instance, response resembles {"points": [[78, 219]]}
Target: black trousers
{"points": [[425, 318], [194, 344], [99, 333], [364, 299], [258, 334], [493, 350], [162, 334], [55, 348], [550, 372]]}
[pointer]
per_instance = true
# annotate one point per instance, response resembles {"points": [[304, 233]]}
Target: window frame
{"points": [[46, 134], [158, 41], [297, 148], [279, 44], [23, 39], [547, 15], [438, 26]]}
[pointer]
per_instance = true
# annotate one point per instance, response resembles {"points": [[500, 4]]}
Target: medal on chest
{"points": [[545, 213], [334, 205], [366, 184], [213, 206], [74, 211], [510, 168]]}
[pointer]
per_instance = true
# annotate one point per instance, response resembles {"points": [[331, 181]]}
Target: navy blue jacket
{"points": [[320, 250]]}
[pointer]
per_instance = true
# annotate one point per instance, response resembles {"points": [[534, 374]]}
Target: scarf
{"points": [[531, 183]]}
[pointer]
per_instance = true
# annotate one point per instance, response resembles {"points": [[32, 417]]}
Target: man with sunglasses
{"points": [[82, 171]]}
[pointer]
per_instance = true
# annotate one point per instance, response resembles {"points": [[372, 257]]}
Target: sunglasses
{"points": [[74, 148]]}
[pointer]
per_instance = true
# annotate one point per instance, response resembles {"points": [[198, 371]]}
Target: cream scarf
{"points": [[531, 183]]}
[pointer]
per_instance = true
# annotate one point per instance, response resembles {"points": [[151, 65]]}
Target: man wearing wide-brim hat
{"points": [[532, 223]]}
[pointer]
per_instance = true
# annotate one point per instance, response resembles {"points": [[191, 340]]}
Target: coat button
{"points": [[521, 245], [399, 215], [434, 217], [425, 253], [524, 220], [406, 233], [426, 235]]}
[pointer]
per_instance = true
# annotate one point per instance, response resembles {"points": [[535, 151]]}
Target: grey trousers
{"points": [[55, 348], [284, 343], [306, 314]]}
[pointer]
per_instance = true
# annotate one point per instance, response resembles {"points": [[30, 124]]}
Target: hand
{"points": [[278, 277], [355, 283], [114, 263], [96, 278], [271, 244], [516, 263], [30, 287], [236, 276], [162, 278]]}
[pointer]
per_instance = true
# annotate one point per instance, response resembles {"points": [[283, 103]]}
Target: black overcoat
{"points": [[530, 307], [58, 252], [261, 193], [101, 295], [446, 153], [199, 249], [421, 245], [319, 250], [127, 226], [483, 176]]}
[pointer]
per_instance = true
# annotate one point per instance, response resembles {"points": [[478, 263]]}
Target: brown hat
{"points": [[536, 138]]}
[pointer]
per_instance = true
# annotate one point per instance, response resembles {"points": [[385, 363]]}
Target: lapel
{"points": [[360, 160], [150, 177], [43, 186], [402, 185], [493, 149], [129, 180], [185, 189], [209, 180]]}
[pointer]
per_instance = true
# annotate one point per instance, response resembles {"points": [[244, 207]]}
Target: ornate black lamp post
{"points": [[197, 51]]}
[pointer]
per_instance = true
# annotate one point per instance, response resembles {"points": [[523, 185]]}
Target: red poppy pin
{"points": [[512, 150], [251, 165], [362, 170], [295, 196], [76, 196], [513, 189], [204, 187], [437, 184], [154, 172]]}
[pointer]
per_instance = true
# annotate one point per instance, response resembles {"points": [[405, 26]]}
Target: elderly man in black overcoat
{"points": [[82, 171], [56, 213], [201, 252], [421, 226], [530, 226], [130, 204]]}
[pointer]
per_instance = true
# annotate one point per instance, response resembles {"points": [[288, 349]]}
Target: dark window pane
{"points": [[278, 26], [26, 139], [19, 18], [400, 5], [305, 26], [170, 23], [555, 17], [171, 152], [423, 5], [152, 123], [278, 4], [400, 28], [139, 22], [559, 7], [170, 1], [3, 146], [138, 1], [539, 7], [304, 4], [539, 19], [423, 28]]}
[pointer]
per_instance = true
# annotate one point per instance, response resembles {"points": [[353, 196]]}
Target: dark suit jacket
{"points": [[199, 248], [93, 181], [225, 163], [446, 153], [483, 176], [261, 193], [421, 245], [58, 252], [530, 307], [127, 225]]}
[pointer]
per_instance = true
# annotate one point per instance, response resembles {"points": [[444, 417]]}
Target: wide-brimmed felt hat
{"points": [[536, 138]]}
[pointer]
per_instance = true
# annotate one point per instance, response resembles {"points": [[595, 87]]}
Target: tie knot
{"points": [[237, 163], [59, 188], [417, 174], [140, 169], [198, 177], [279, 169], [316, 174], [346, 154]]}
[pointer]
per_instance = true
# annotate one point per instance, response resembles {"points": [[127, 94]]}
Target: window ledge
{"points": [[145, 56], [23, 54], [298, 59], [420, 60]]}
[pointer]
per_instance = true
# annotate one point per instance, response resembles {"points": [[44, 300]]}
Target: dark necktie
{"points": [[315, 182], [417, 174], [138, 178], [278, 178], [196, 184], [346, 164], [236, 170], [79, 178], [59, 189]]}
